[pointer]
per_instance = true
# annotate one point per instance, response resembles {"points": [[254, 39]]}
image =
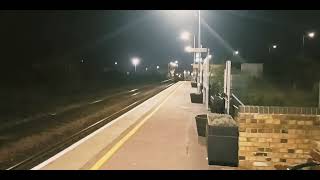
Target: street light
{"points": [[176, 62], [274, 46], [115, 63], [310, 35], [158, 67], [172, 64], [135, 62], [236, 52], [185, 36]]}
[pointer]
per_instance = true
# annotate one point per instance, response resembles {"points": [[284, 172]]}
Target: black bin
{"points": [[222, 145], [217, 105], [196, 98], [201, 121], [193, 84]]}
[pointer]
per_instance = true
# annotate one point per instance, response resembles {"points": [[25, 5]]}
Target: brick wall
{"points": [[271, 137], [315, 150]]}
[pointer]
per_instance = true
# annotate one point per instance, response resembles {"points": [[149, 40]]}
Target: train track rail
{"points": [[50, 151]]}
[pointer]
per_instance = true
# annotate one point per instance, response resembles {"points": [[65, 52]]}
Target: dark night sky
{"points": [[29, 37]]}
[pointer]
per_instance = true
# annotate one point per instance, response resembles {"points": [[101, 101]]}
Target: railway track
{"points": [[49, 151]]}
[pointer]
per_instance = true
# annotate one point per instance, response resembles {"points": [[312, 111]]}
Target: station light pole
{"points": [[186, 36], [309, 35], [135, 62], [199, 54], [274, 46]]}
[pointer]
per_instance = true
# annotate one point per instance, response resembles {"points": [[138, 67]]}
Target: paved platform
{"points": [[159, 134]]}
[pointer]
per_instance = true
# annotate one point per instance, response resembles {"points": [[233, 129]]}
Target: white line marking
{"points": [[96, 101], [73, 146], [166, 80], [169, 85], [135, 93], [133, 90], [82, 140]]}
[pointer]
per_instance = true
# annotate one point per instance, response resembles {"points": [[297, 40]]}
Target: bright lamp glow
{"points": [[158, 67], [311, 34], [236, 52], [185, 35], [135, 61], [274, 46], [188, 49], [174, 64]]}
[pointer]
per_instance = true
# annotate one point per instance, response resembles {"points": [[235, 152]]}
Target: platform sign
{"points": [[198, 50]]}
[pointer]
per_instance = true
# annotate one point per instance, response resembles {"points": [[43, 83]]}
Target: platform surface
{"points": [[162, 136], [168, 139]]}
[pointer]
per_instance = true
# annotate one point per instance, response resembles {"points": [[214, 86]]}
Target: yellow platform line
{"points": [[117, 146]]}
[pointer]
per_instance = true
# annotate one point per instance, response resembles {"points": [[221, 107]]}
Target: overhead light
{"points": [[311, 34]]}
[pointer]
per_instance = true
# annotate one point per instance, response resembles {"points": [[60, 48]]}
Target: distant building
{"points": [[252, 69]]}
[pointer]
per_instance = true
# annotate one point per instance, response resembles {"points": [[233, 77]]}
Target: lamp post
{"points": [[186, 36], [199, 54], [310, 35], [172, 64], [274, 46], [135, 62]]}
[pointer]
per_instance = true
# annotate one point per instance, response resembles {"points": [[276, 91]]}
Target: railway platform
{"points": [[159, 134]]}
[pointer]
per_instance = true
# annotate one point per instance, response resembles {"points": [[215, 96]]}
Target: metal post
{"points": [[194, 46], [225, 80], [199, 54], [302, 42], [199, 30], [135, 68], [319, 96], [207, 79], [194, 59], [303, 45], [225, 86], [168, 71], [228, 85], [201, 70]]}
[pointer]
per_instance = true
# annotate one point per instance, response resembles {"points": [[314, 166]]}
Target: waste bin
{"points": [[193, 84], [217, 104], [201, 121], [196, 98], [222, 137]]}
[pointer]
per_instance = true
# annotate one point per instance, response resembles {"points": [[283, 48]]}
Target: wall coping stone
{"points": [[279, 110]]}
